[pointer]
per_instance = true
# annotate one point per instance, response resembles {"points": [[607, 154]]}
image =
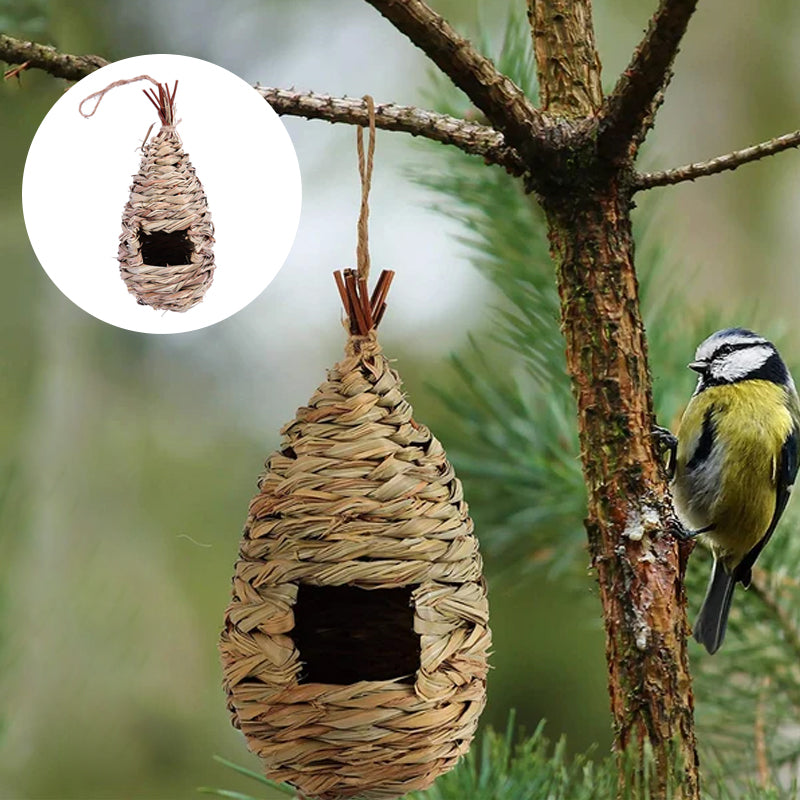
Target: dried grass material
{"points": [[359, 495], [167, 201]]}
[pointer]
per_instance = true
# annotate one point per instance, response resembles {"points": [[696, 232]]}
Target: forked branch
{"points": [[628, 110], [729, 161], [497, 96]]}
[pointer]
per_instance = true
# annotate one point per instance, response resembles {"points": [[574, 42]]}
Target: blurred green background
{"points": [[128, 460]]}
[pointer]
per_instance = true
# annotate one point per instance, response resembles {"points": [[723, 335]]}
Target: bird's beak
{"points": [[698, 366]]}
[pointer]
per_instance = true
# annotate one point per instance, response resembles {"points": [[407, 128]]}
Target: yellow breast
{"points": [[734, 486]]}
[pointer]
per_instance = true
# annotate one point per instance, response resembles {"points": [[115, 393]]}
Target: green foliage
{"points": [[496, 768], [524, 414]]}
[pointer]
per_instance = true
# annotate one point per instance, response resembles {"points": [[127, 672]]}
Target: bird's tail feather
{"points": [[709, 628]]}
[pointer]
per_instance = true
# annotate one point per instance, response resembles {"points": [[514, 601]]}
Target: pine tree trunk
{"points": [[629, 513], [587, 201]]}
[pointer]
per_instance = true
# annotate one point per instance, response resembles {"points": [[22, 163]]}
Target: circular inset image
{"points": [[161, 194]]}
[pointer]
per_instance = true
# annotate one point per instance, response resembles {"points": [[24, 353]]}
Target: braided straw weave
{"points": [[167, 196], [359, 495], [166, 219]]}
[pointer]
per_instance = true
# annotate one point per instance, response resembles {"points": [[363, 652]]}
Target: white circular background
{"points": [[79, 171]]}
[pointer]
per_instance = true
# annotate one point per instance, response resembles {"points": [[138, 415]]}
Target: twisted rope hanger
{"points": [[365, 172], [364, 311]]}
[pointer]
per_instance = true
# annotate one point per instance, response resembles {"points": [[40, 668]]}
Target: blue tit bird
{"points": [[734, 461]]}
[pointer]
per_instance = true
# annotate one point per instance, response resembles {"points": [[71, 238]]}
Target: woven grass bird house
{"points": [[166, 248], [355, 646]]}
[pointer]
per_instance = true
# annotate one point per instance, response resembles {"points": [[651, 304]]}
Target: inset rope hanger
{"points": [[164, 101], [364, 312]]}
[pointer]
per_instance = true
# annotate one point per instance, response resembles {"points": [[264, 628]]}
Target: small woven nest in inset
{"points": [[355, 646], [166, 249]]}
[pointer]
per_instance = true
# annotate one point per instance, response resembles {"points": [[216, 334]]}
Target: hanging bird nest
{"points": [[166, 248], [355, 646]]}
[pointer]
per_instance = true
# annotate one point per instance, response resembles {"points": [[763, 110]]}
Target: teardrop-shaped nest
{"points": [[166, 250], [355, 647]]}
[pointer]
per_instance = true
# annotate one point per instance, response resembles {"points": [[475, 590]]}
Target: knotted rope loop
{"points": [[164, 100]]}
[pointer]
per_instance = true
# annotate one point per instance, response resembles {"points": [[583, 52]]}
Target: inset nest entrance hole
{"points": [[162, 249], [346, 634]]}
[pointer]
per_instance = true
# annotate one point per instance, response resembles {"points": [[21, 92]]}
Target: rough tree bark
{"points": [[587, 202], [638, 565], [576, 153]]}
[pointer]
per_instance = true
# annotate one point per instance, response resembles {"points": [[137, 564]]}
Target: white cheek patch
{"points": [[740, 363]]}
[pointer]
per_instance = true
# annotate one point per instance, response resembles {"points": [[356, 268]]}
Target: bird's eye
{"points": [[724, 350]]}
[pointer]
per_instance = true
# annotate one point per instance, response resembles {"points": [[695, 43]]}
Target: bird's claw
{"points": [[666, 445]]}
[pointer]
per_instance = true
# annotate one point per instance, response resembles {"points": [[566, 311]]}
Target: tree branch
{"points": [[42, 56], [471, 137], [626, 110], [499, 98], [729, 161]]}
